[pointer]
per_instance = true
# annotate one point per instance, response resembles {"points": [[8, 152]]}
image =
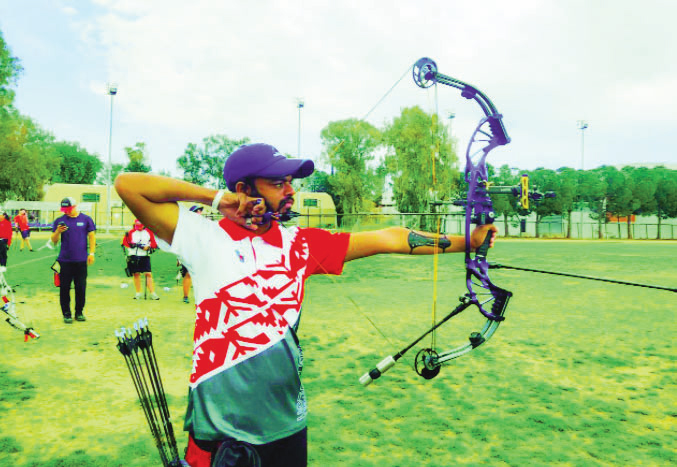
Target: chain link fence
{"points": [[42, 215], [454, 224]]}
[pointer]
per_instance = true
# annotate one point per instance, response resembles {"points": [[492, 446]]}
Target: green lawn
{"points": [[580, 373]]}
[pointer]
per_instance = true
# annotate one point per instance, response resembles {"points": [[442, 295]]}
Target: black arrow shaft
{"points": [[579, 276]]}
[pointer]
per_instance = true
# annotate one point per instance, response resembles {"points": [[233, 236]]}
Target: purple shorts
{"points": [[25, 233]]}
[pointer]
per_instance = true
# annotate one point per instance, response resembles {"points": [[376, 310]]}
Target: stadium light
{"points": [[451, 117], [299, 104], [582, 125], [112, 91]]}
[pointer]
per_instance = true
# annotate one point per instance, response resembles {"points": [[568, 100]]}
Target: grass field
{"points": [[581, 373]]}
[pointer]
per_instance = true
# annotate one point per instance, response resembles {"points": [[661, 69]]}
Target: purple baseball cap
{"points": [[262, 160]]}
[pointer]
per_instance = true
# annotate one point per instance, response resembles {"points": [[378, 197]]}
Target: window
{"points": [[90, 197]]}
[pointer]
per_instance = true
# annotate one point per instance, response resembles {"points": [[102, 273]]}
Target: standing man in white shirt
{"points": [[140, 243]]}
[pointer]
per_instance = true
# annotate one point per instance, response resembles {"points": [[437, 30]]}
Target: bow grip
{"points": [[484, 248]]}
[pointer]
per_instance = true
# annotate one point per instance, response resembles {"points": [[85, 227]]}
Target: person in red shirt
{"points": [[21, 221], [5, 239]]}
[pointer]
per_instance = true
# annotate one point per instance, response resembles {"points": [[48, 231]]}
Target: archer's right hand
{"points": [[242, 209]]}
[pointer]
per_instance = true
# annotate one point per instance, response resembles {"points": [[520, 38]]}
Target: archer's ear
{"points": [[242, 187]]}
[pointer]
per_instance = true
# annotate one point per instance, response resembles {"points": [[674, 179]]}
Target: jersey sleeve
{"points": [[153, 242], [190, 232], [125, 239], [327, 251]]}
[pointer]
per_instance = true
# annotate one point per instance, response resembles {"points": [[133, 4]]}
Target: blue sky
{"points": [[187, 70]]}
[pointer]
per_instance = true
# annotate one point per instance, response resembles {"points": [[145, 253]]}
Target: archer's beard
{"points": [[285, 205]]}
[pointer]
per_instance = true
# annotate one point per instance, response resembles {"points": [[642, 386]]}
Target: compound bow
{"points": [[489, 299]]}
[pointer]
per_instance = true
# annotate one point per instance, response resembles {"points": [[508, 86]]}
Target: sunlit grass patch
{"points": [[580, 373]]}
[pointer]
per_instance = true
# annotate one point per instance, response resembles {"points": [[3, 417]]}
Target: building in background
{"points": [[316, 209]]}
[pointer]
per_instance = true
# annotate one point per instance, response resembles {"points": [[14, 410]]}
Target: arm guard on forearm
{"points": [[416, 240]]}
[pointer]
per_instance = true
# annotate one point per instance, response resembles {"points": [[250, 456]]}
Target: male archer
{"points": [[246, 400]]}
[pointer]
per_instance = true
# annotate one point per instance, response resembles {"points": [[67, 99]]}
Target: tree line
{"points": [[414, 155], [31, 156], [606, 193]]}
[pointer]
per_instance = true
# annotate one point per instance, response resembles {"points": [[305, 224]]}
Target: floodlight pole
{"points": [[582, 125], [112, 91], [299, 104]]}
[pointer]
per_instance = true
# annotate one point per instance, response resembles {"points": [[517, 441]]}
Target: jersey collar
{"points": [[273, 236]]}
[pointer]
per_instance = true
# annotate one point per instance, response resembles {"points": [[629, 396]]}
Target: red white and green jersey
{"points": [[245, 382]]}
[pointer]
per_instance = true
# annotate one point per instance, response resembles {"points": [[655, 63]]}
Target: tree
{"points": [[28, 158], [545, 180], [620, 201], [137, 158], [102, 175], [349, 146], [567, 194], [665, 195], [421, 161], [318, 182], [643, 185], [504, 205], [76, 164], [592, 191], [203, 165], [10, 69]]}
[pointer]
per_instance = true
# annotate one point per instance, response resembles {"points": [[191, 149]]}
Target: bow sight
{"points": [[522, 192]]}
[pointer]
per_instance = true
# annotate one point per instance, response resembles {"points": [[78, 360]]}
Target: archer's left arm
{"points": [[91, 237], [405, 241]]}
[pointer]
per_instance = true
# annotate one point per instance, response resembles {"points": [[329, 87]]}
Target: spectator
{"points": [[21, 221], [76, 232], [5, 239], [187, 281], [140, 243]]}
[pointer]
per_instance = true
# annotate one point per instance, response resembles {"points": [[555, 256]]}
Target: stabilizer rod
{"points": [[580, 276]]}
